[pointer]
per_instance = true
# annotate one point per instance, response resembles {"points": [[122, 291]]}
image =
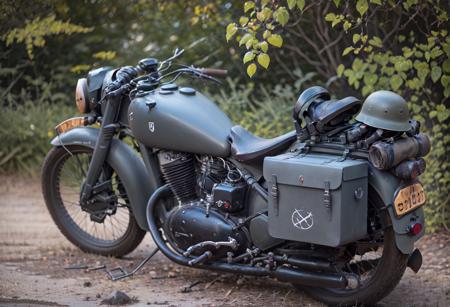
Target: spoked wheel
{"points": [[373, 267], [107, 226]]}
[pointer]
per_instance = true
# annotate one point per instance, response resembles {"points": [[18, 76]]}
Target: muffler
{"points": [[323, 280], [285, 274]]}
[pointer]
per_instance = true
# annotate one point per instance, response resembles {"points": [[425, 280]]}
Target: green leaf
{"points": [[243, 20], [291, 4], [446, 66], [436, 73], [275, 40], [231, 30], [260, 16], [330, 17], [407, 52], [251, 69], [347, 25], [248, 6], [250, 43], [356, 38], [436, 52], [263, 60], [249, 56], [337, 2], [376, 2], [267, 13], [362, 6], [282, 15], [266, 34], [301, 4], [370, 79], [395, 82], [264, 46], [245, 39], [403, 65], [340, 70], [337, 20], [348, 50], [376, 42]]}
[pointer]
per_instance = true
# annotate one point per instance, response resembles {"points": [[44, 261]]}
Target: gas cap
{"points": [[169, 87], [187, 91]]}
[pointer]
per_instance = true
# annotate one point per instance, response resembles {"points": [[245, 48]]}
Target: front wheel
{"points": [[108, 226]]}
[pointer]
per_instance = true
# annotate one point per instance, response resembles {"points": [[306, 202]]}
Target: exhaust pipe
{"points": [[281, 273]]}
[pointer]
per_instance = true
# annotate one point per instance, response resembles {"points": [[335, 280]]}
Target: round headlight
{"points": [[82, 96]]}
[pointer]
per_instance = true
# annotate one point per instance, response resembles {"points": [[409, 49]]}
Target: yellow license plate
{"points": [[409, 198], [70, 123]]}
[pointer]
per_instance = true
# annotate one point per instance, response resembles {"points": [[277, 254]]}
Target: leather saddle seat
{"points": [[246, 147]]}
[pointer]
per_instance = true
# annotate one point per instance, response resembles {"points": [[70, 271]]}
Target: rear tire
{"points": [[387, 274], [73, 231]]}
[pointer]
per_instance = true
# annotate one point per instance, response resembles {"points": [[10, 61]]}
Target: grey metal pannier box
{"points": [[317, 198]]}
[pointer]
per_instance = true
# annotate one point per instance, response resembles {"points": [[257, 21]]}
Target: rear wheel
{"points": [[373, 266], [108, 227]]}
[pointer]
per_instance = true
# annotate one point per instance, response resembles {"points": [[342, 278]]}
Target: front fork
{"points": [[102, 146]]}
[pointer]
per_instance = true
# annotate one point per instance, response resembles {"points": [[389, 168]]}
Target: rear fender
{"points": [[124, 160], [386, 185]]}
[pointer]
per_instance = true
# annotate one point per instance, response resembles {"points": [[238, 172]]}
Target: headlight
{"points": [[82, 96]]}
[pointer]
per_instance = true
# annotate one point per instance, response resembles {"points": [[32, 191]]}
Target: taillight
{"points": [[415, 228]]}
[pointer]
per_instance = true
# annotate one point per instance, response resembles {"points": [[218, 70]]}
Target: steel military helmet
{"points": [[385, 110]]}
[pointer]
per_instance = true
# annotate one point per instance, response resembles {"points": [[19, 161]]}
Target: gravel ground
{"points": [[33, 255]]}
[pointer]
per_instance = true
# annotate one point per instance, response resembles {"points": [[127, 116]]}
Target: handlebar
{"points": [[128, 77], [214, 72]]}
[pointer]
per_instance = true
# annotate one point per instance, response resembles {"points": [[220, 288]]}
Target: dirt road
{"points": [[33, 255]]}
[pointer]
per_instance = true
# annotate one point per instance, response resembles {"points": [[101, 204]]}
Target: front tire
{"points": [[63, 174]]}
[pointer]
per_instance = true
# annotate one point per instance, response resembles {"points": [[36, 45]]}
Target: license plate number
{"points": [[409, 198], [70, 124]]}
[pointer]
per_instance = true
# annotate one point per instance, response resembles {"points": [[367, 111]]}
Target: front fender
{"points": [[124, 160], [386, 186]]}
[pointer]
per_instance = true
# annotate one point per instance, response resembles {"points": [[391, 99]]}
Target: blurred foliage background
{"points": [[351, 47]]}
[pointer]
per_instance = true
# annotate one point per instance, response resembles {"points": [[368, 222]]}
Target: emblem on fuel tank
{"points": [[151, 126]]}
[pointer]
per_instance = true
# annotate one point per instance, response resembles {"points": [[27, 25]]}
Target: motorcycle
{"points": [[333, 207]]}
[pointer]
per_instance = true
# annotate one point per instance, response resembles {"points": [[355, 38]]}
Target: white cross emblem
{"points": [[302, 220]]}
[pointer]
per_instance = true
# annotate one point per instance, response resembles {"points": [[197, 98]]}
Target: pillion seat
{"points": [[246, 147]]}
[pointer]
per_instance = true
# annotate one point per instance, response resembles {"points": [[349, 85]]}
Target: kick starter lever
{"points": [[124, 274]]}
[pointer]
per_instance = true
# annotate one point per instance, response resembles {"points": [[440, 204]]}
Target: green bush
{"points": [[265, 111], [26, 131]]}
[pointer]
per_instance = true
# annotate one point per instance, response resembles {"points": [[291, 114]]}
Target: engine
{"points": [[211, 197]]}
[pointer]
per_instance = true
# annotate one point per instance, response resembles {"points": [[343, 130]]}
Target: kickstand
{"points": [[119, 273]]}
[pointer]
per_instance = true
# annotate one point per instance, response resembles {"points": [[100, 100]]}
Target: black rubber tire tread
{"points": [[123, 246], [386, 277]]}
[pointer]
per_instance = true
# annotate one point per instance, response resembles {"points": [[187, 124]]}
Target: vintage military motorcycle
{"points": [[333, 207]]}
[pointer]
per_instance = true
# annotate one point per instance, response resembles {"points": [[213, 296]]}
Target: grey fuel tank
{"points": [[181, 120]]}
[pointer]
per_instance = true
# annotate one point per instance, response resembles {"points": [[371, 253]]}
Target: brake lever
{"points": [[199, 74], [208, 77], [121, 90]]}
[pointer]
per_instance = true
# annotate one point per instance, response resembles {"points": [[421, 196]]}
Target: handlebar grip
{"points": [[214, 72]]}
